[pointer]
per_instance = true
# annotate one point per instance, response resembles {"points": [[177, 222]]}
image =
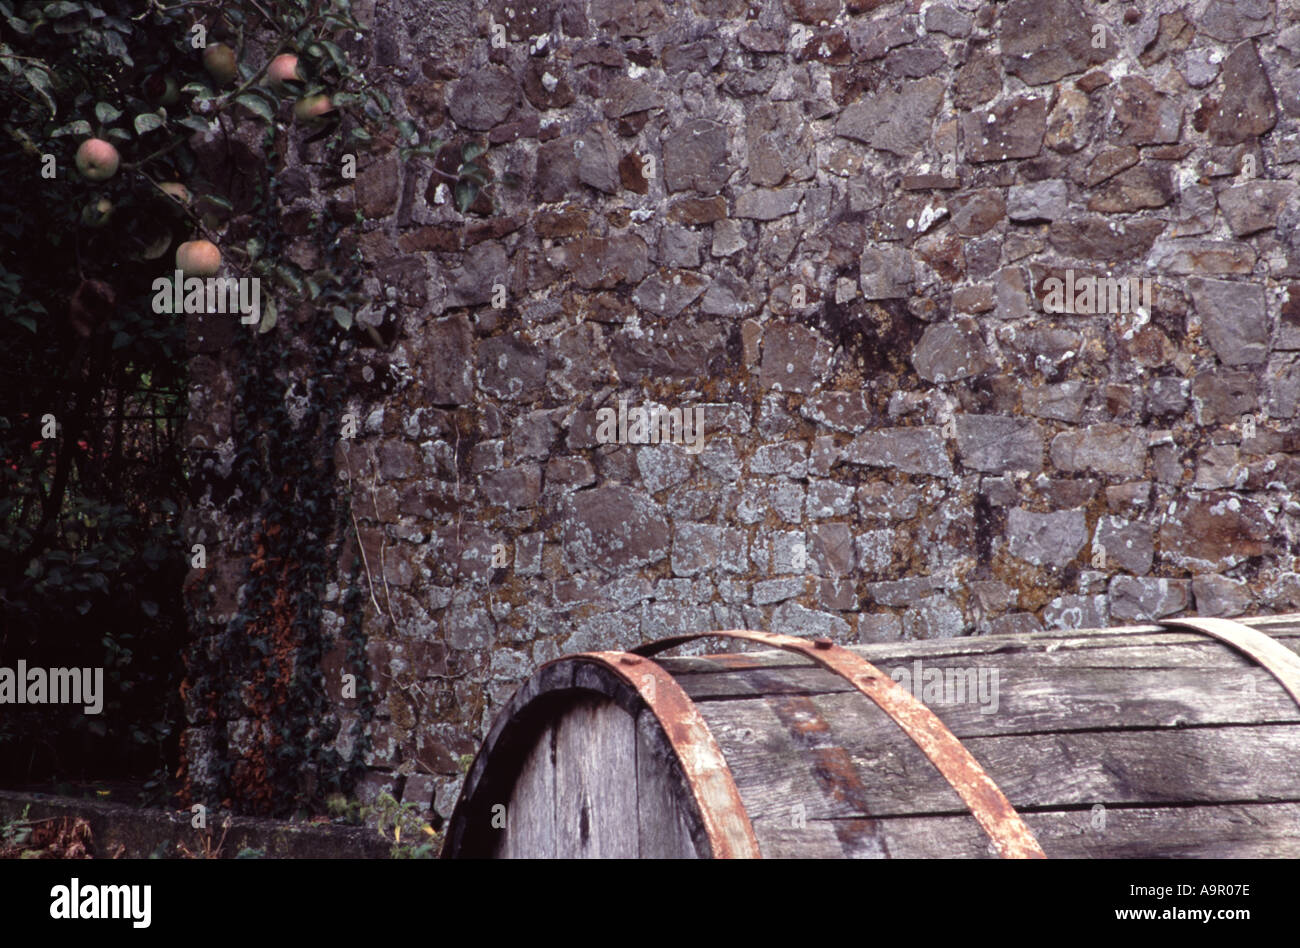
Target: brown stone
{"points": [[698, 210], [1132, 190], [1109, 162], [1247, 107], [1044, 40], [1144, 116], [1097, 238], [568, 221], [1218, 530], [441, 238]]}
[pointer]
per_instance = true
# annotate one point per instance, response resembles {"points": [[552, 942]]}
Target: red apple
{"points": [[309, 109], [283, 68], [199, 258], [97, 159], [219, 60]]}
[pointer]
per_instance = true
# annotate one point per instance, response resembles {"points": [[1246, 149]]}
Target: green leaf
{"points": [[269, 316], [343, 317], [336, 55], [360, 134], [26, 321], [472, 150], [61, 9], [39, 80], [196, 124], [218, 200], [257, 105], [198, 89], [466, 195], [80, 127], [147, 122], [107, 114]]}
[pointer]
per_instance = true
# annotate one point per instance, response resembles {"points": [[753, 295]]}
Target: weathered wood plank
{"points": [[1262, 831], [1025, 694], [1036, 643], [530, 817], [1117, 767], [663, 831], [595, 782]]}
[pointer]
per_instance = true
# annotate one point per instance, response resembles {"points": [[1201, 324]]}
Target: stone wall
{"points": [[838, 226]]}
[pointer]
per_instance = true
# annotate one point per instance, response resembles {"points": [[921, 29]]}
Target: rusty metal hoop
{"points": [[730, 833], [1278, 660], [1011, 837]]}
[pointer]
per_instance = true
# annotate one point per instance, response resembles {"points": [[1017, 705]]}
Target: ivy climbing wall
{"points": [[991, 311]]}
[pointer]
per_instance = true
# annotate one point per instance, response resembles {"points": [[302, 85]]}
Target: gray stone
{"points": [[996, 443], [449, 367], [1060, 402], [885, 273], [613, 528], [623, 96], [1146, 598], [843, 411], [793, 619], [1235, 319], [1255, 206], [917, 450], [897, 122], [903, 592], [1040, 200], [949, 351], [695, 157], [1104, 448], [511, 368], [1012, 129], [1046, 539], [1185, 256], [669, 292], [1127, 544], [662, 466], [1232, 20], [513, 486], [1077, 612], [768, 205], [1248, 105], [597, 157], [940, 18], [1220, 595], [795, 359], [936, 617], [703, 548], [483, 98], [1145, 116], [788, 457], [679, 247], [875, 550], [831, 548], [770, 591]]}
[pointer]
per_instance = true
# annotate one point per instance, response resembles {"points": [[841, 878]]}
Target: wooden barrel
{"points": [[1172, 740]]}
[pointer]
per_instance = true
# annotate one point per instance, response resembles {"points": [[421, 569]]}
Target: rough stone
{"points": [[1045, 40], [996, 443], [917, 450], [483, 98], [1247, 107], [1104, 448], [1011, 129], [896, 122], [949, 351], [1235, 319], [613, 528], [695, 157], [1145, 598], [1046, 539]]}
